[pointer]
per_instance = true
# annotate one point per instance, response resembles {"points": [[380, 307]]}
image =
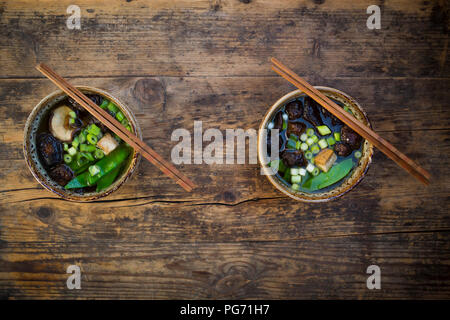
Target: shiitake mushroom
{"points": [[59, 124], [294, 158], [97, 99], [278, 121], [342, 149], [294, 109], [350, 137], [311, 112], [296, 128], [50, 150], [62, 174]]}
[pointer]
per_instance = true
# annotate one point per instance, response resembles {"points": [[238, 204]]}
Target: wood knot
{"points": [[229, 196], [235, 277], [245, 1], [44, 214], [150, 92]]}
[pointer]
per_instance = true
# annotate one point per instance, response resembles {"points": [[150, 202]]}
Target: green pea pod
{"points": [[326, 179], [110, 162], [80, 181], [105, 181]]}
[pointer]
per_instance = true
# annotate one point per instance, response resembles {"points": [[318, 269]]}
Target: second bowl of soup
{"points": [[309, 154]]}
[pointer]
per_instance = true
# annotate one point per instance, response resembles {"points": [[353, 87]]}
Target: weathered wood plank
{"points": [[323, 268], [229, 37], [235, 204]]}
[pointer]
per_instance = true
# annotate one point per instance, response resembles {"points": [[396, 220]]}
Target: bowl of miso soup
{"points": [[309, 154], [73, 154]]}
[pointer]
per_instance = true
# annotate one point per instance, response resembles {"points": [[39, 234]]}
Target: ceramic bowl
{"points": [[39, 114], [350, 181]]}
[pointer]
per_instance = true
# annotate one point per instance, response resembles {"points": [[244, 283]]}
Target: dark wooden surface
{"points": [[235, 236]]}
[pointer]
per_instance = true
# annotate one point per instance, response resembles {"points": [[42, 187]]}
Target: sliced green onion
{"points": [[310, 132], [298, 144], [72, 151], [337, 136], [315, 149], [72, 114], [296, 179], [270, 125], [285, 116], [323, 143], [92, 139], [303, 137], [304, 146], [112, 107], [66, 146], [315, 138], [104, 104], [93, 170], [284, 125], [294, 171], [315, 172], [308, 155], [125, 122], [309, 141], [295, 187], [302, 171], [293, 137], [346, 108], [310, 167], [87, 148], [82, 137], [331, 141], [71, 121], [67, 158], [323, 130], [94, 129], [88, 156], [358, 154], [75, 142]]}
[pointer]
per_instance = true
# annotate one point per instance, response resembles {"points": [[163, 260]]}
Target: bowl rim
{"points": [[272, 178], [40, 178]]}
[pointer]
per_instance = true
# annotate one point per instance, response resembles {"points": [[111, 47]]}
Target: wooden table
{"points": [[174, 62]]}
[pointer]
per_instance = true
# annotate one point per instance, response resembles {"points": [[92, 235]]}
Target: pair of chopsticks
{"points": [[364, 131], [116, 127]]}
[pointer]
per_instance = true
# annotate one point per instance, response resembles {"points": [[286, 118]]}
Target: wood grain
{"points": [[175, 62], [226, 37]]}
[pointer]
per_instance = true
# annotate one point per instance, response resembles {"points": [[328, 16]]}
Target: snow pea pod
{"points": [[109, 162], [326, 179], [105, 181], [79, 181], [106, 164]]}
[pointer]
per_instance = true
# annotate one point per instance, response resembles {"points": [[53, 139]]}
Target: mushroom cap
{"points": [[59, 124]]}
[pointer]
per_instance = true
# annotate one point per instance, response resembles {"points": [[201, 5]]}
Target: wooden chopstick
{"points": [[383, 145], [117, 128]]}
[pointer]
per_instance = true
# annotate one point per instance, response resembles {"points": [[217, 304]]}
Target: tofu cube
{"points": [[325, 159], [107, 143]]}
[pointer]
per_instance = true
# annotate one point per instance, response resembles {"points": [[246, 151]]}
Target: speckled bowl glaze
{"points": [[350, 181], [39, 113]]}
